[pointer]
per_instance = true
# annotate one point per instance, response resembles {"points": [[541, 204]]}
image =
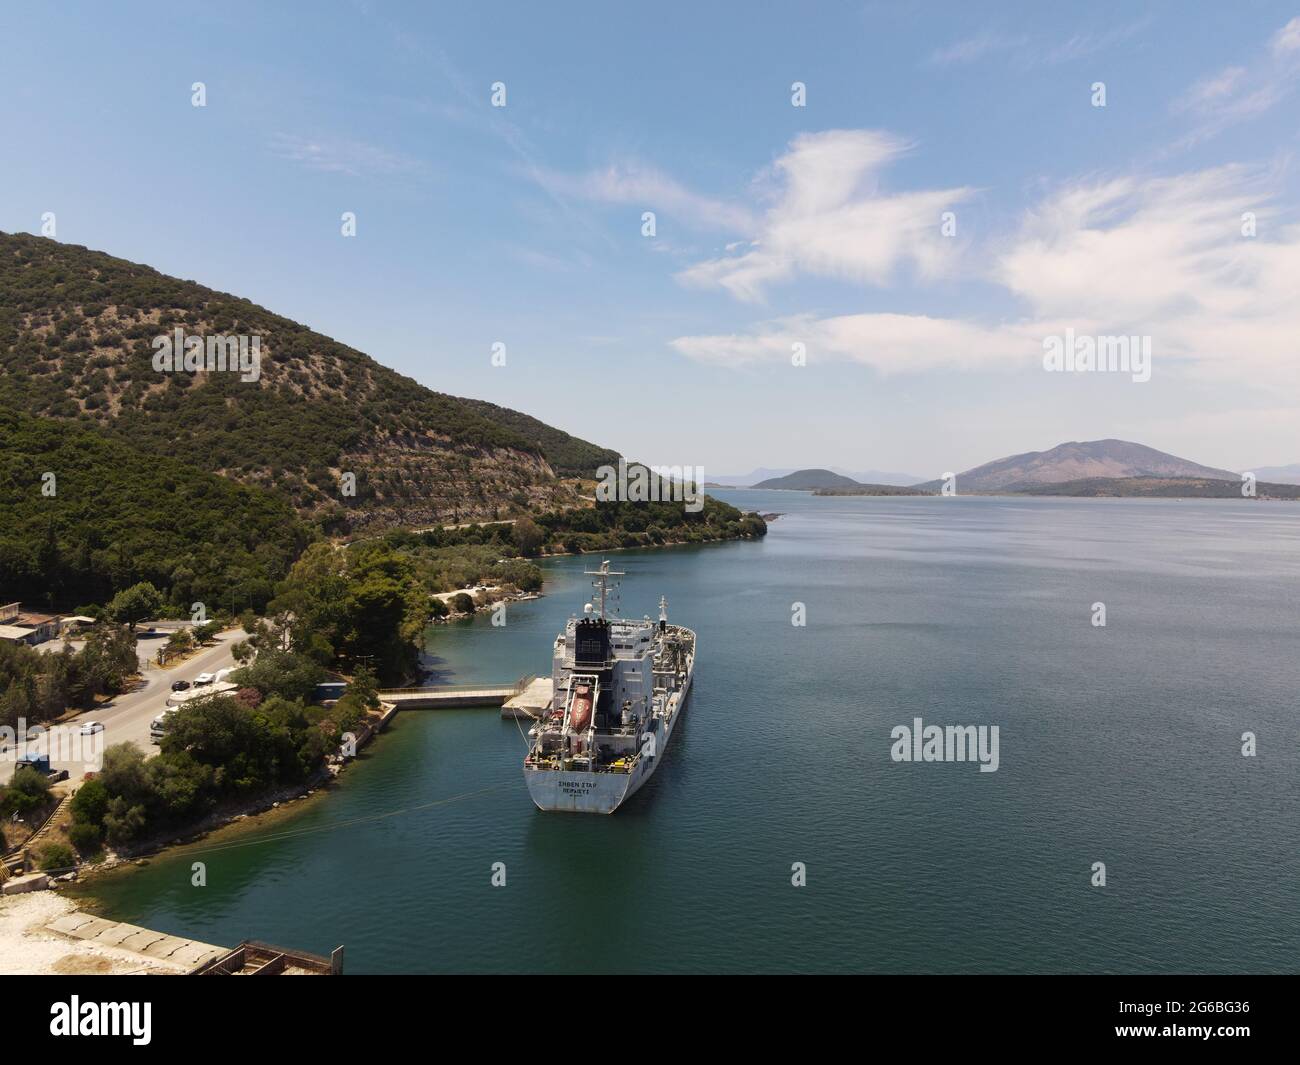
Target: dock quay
{"points": [[526, 697]]}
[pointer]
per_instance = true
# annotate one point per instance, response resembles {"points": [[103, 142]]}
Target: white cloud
{"points": [[1239, 93], [1157, 256], [648, 189], [889, 343], [1287, 39], [828, 218]]}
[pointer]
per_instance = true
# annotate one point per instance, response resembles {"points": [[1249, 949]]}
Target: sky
{"points": [[865, 273]]}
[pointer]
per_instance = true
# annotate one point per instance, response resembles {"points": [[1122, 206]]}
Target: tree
{"points": [[281, 673], [90, 803], [135, 604], [528, 536], [27, 790], [364, 688]]}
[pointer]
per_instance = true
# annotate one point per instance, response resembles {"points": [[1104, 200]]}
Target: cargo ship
{"points": [[619, 687]]}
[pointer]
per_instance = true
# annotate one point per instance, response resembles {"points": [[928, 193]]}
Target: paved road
{"points": [[126, 719]]}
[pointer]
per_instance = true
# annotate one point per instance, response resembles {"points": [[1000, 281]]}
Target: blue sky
{"points": [[775, 224]]}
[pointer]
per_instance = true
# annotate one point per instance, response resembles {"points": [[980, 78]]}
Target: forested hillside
{"points": [[76, 342]]}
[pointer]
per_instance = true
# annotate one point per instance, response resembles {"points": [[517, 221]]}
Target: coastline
{"points": [[230, 822]]}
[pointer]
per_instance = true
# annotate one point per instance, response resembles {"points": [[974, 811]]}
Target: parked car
{"points": [[203, 678], [91, 727], [180, 685]]}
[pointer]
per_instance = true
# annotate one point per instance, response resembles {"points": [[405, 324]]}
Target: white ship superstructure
{"points": [[619, 689]]}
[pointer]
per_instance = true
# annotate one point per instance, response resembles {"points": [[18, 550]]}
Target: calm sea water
{"points": [[1119, 744]]}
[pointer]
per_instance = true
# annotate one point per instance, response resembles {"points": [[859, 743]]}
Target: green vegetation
{"points": [[39, 686], [362, 606], [56, 857], [27, 791], [119, 518], [871, 490], [135, 604], [215, 749], [613, 525], [568, 456], [601, 527], [76, 333]]}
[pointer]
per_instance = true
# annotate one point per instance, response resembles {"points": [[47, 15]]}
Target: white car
{"points": [[91, 727], [204, 678]]}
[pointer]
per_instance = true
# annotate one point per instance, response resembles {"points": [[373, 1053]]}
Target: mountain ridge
{"points": [[76, 343], [1087, 460]]}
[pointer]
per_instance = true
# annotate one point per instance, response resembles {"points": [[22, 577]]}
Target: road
{"points": [[126, 719]]}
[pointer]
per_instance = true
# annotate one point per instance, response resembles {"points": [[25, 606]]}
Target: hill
{"points": [[77, 331], [1077, 461], [1162, 488], [112, 516], [807, 481], [568, 456], [743, 480], [1278, 474]]}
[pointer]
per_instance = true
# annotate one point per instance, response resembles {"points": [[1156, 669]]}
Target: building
{"points": [[23, 626]]}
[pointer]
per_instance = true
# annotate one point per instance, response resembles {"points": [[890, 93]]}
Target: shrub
{"points": [[87, 838], [56, 856], [90, 803]]}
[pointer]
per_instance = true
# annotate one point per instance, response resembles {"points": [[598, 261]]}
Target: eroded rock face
{"points": [[403, 481]]}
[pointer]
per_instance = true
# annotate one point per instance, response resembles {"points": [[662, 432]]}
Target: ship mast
{"points": [[601, 583]]}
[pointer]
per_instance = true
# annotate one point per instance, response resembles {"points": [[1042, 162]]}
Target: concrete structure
{"points": [[156, 945], [449, 696], [31, 882], [532, 701], [22, 626]]}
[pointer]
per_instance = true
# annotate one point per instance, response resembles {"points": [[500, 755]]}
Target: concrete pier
{"points": [[532, 701]]}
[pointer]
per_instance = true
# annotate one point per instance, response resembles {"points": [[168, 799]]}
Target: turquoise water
{"points": [[1118, 744]]}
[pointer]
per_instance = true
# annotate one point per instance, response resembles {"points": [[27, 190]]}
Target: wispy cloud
{"points": [[828, 218], [341, 156], [644, 187], [1240, 93], [1027, 52], [1157, 256], [976, 47]]}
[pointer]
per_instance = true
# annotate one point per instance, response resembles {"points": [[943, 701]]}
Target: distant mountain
{"points": [[76, 343], [1079, 461], [872, 490], [753, 478], [870, 477], [1163, 488], [746, 480], [808, 480], [1278, 474]]}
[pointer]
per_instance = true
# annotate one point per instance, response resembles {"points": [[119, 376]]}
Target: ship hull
{"points": [[566, 791]]}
